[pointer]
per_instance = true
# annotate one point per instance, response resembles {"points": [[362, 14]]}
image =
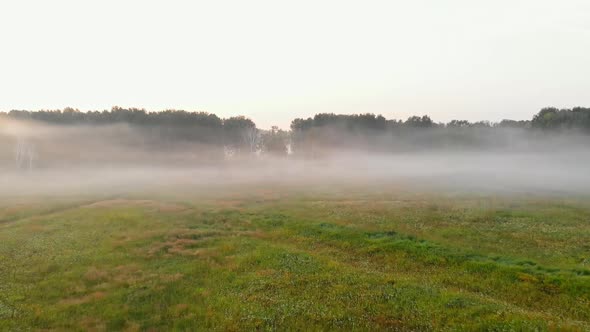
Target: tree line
{"points": [[239, 135], [375, 132]]}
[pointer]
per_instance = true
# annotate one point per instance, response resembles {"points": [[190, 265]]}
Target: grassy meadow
{"points": [[287, 258]]}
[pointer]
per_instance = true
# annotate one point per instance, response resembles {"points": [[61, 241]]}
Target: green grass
{"points": [[287, 258]]}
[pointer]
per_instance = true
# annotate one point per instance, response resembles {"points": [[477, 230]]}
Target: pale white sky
{"points": [[277, 60]]}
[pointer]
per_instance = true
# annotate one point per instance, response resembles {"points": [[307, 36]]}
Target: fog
{"points": [[37, 158]]}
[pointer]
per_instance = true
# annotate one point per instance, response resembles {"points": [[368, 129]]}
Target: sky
{"points": [[277, 60]]}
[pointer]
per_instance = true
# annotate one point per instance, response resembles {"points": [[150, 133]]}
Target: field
{"points": [[276, 257]]}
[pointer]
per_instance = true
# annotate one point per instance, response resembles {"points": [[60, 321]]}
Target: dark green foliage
{"points": [[553, 118]]}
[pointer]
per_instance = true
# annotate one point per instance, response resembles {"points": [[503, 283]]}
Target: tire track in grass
{"points": [[55, 210]]}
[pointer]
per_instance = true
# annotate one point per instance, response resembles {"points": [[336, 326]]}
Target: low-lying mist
{"points": [[39, 158]]}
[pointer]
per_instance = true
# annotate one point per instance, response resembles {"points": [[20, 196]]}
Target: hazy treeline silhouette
{"points": [[553, 118], [180, 125], [135, 134], [369, 131], [120, 135], [549, 118]]}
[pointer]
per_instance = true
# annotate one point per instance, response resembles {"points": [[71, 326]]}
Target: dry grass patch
{"points": [[84, 299], [127, 274], [171, 277], [92, 324], [225, 204], [94, 274], [143, 203]]}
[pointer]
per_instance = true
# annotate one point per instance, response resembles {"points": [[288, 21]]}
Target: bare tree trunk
{"points": [[24, 154]]}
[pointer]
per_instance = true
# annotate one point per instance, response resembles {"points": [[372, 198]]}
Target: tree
{"points": [[546, 118], [240, 134], [553, 118], [419, 122], [252, 139], [458, 124], [274, 142]]}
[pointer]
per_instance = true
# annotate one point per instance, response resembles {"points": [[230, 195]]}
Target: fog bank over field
{"points": [[473, 172], [37, 157]]}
